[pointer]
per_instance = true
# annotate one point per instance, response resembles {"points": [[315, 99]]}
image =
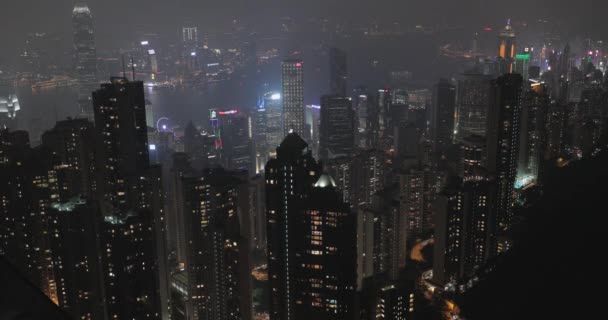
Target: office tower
{"points": [[292, 80], [268, 128], [472, 103], [338, 72], [442, 117], [289, 182], [190, 47], [473, 156], [324, 273], [416, 195], [235, 139], [382, 131], [363, 118], [190, 36], [129, 193], [72, 145], [217, 262], [312, 270], [503, 141], [312, 120], [274, 121], [337, 127], [72, 238], [85, 57], [522, 64], [535, 105], [506, 48], [464, 230]]}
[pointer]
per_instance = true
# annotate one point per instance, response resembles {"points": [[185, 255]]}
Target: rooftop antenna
{"points": [[132, 68], [124, 71]]}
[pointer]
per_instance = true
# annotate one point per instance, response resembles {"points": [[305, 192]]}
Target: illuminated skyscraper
{"points": [[535, 106], [417, 194], [506, 48], [120, 122], [472, 104], [215, 208], [464, 229], [85, 56], [190, 47], [473, 156], [73, 157], [362, 109], [131, 202], [503, 142], [293, 97], [289, 182], [312, 259], [267, 128], [74, 247]]}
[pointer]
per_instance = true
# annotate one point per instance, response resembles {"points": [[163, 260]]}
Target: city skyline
{"points": [[293, 166]]}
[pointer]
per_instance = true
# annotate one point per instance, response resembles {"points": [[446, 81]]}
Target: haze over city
{"points": [[282, 160]]}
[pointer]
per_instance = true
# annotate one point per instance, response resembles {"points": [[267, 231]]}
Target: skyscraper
{"points": [[535, 106], [338, 72], [362, 109], [503, 141], [130, 197], [289, 182], [442, 116], [324, 265], [472, 104], [190, 47], [312, 262], [274, 121], [464, 229], [416, 197], [85, 56], [293, 97], [120, 122], [506, 48], [473, 156], [337, 127], [72, 237], [71, 143], [217, 252]]}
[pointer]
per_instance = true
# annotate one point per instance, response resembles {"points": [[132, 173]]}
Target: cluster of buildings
{"points": [[112, 219]]}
